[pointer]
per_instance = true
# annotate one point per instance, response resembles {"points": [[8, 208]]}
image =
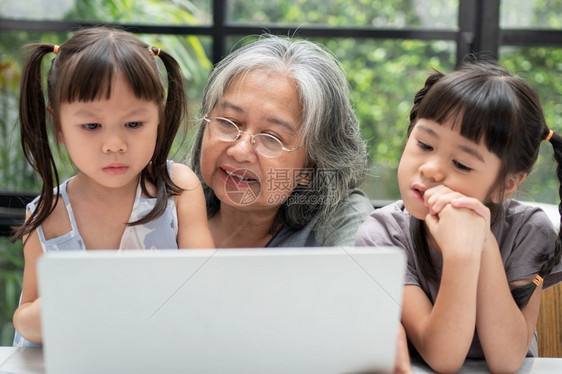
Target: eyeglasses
{"points": [[265, 144]]}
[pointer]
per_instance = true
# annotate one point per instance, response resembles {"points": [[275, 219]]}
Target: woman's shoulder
{"points": [[339, 226], [391, 212], [358, 202], [356, 207]]}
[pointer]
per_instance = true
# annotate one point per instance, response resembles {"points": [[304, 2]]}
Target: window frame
{"points": [[478, 30]]}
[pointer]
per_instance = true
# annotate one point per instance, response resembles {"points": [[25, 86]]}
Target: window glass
{"points": [[150, 12], [531, 14], [35, 9], [441, 14], [542, 69]]}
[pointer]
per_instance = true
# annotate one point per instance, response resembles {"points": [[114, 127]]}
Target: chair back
{"points": [[549, 324]]}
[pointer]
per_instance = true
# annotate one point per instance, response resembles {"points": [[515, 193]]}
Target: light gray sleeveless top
{"points": [[160, 233]]}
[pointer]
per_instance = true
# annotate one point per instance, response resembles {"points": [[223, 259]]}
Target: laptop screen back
{"points": [[309, 310]]}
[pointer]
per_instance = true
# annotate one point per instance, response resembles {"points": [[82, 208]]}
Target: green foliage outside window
{"points": [[542, 68]]}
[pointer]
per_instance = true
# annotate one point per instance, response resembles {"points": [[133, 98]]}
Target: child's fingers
{"points": [[472, 204], [436, 198], [459, 230]]}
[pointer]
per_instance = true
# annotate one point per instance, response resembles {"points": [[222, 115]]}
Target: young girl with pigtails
{"points": [[477, 260], [110, 110]]}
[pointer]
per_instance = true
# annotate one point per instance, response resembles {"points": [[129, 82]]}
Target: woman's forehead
{"points": [[266, 94]]}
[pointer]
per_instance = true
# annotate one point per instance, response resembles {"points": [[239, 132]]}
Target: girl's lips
{"points": [[116, 169], [418, 192]]}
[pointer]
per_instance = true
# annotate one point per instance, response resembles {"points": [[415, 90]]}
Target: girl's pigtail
{"points": [[523, 294], [174, 112], [175, 109], [429, 82], [34, 135]]}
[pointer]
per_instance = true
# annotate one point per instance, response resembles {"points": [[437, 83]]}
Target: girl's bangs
{"points": [[88, 75], [480, 109]]}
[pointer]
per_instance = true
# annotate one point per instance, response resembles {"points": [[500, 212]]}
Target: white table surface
{"points": [[530, 365], [30, 361]]}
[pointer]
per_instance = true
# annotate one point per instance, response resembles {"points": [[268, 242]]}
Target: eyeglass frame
{"points": [[252, 137]]}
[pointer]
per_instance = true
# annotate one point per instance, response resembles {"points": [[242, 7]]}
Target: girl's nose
{"points": [[242, 150], [433, 169], [114, 143]]}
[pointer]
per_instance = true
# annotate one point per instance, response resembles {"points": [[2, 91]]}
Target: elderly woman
{"points": [[279, 152], [279, 149]]}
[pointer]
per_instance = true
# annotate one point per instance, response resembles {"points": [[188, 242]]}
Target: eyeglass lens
{"points": [[265, 144]]}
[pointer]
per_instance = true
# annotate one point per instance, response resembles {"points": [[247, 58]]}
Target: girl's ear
{"points": [[513, 181]]}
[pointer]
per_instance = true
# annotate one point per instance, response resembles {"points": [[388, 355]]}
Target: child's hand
{"points": [[457, 223], [436, 198]]}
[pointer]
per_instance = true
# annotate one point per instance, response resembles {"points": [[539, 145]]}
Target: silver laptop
{"points": [[284, 310]]}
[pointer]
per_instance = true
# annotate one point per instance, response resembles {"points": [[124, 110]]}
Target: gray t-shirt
{"points": [[524, 233], [338, 230]]}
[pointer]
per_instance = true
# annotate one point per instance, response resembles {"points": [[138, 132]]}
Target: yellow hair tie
{"points": [[537, 280], [549, 135], [55, 49], [157, 53]]}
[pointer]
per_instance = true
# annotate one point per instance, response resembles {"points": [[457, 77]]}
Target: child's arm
{"points": [[504, 330], [193, 228], [27, 316], [443, 332]]}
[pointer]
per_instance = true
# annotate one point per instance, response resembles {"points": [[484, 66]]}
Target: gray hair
{"points": [[335, 150]]}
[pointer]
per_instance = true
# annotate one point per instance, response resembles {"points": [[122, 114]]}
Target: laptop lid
{"points": [[275, 310]]}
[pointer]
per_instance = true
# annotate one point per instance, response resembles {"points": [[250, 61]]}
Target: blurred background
{"points": [[386, 46]]}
